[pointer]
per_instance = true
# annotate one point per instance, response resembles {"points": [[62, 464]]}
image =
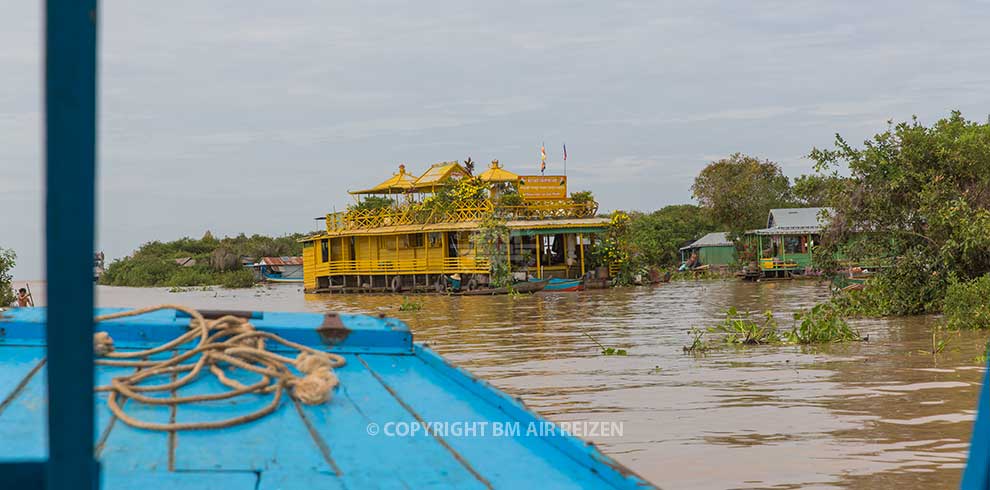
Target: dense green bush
{"points": [[918, 196], [7, 258], [967, 304], [371, 202], [820, 325], [241, 278], [153, 264]]}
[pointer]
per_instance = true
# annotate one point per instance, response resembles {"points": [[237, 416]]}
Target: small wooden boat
{"points": [[361, 438], [519, 287], [562, 285]]}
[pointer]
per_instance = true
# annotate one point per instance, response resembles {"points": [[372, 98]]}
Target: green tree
{"points": [[740, 190], [922, 194], [7, 259], [818, 190], [655, 239]]}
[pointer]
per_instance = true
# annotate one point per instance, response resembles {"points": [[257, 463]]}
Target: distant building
{"points": [[185, 261], [787, 243], [278, 269], [714, 249]]}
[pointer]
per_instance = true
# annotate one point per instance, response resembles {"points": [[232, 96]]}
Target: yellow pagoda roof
{"points": [[496, 173], [399, 182], [437, 174]]}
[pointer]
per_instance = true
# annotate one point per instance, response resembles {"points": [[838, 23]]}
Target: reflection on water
{"points": [[875, 414]]}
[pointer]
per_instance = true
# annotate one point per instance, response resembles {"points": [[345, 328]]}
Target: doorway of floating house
{"points": [[452, 244]]}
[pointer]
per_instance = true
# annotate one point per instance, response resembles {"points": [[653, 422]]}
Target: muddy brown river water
{"points": [[877, 414]]}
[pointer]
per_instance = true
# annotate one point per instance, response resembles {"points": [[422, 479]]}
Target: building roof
{"points": [[495, 173], [716, 239], [437, 174], [280, 261], [786, 221], [399, 182]]}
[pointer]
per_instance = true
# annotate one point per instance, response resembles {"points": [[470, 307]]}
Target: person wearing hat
{"points": [[455, 282]]}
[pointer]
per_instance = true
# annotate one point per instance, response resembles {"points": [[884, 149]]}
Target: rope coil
{"points": [[228, 341]]}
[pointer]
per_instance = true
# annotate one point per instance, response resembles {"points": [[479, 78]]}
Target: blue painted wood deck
{"points": [[388, 380]]}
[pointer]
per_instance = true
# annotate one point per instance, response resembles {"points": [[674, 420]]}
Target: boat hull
{"points": [[359, 440]]}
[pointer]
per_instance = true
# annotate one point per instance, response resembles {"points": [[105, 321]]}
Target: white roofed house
{"points": [[786, 245]]}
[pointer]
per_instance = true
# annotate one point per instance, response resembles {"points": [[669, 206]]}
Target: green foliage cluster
{"points": [[740, 190], [739, 328], [7, 260], [922, 194], [821, 324], [582, 197], [509, 198], [451, 195], [410, 305], [655, 239], [371, 203], [613, 249], [153, 264], [967, 303], [491, 241]]}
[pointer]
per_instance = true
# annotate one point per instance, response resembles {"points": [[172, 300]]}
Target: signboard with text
{"points": [[537, 187]]}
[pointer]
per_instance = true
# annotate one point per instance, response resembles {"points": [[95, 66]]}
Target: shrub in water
{"points": [[967, 304]]}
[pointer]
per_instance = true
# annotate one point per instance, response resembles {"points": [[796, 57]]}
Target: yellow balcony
{"points": [[473, 210], [448, 265]]}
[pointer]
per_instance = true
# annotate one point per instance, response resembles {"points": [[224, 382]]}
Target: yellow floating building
{"points": [[433, 231]]}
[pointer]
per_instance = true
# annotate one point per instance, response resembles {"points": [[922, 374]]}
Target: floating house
{"points": [[786, 246], [714, 249], [429, 233], [278, 269]]}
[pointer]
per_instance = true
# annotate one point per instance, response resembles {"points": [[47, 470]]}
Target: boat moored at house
{"points": [[278, 269], [448, 230]]}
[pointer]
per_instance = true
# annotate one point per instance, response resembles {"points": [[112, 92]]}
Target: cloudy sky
{"points": [[256, 116]]}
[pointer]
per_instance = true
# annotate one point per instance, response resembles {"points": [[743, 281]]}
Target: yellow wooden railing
{"points": [[448, 265], [469, 210]]}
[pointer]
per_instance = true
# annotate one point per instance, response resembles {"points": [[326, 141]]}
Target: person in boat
{"points": [[24, 298]]}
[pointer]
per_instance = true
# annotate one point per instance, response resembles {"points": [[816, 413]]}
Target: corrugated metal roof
{"points": [[438, 173], [715, 239], [281, 261], [795, 221], [796, 217]]}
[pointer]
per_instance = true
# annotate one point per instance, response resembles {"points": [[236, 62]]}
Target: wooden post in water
{"points": [[70, 203], [581, 248], [539, 245]]}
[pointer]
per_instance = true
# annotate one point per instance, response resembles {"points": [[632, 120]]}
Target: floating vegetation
{"points": [[822, 324], [698, 344], [410, 305], [738, 328], [606, 351]]}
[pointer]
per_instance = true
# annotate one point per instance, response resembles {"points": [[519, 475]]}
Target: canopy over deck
{"points": [[361, 438], [437, 174], [399, 182], [495, 173]]}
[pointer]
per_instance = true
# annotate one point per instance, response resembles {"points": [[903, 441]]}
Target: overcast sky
{"points": [[254, 116]]}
